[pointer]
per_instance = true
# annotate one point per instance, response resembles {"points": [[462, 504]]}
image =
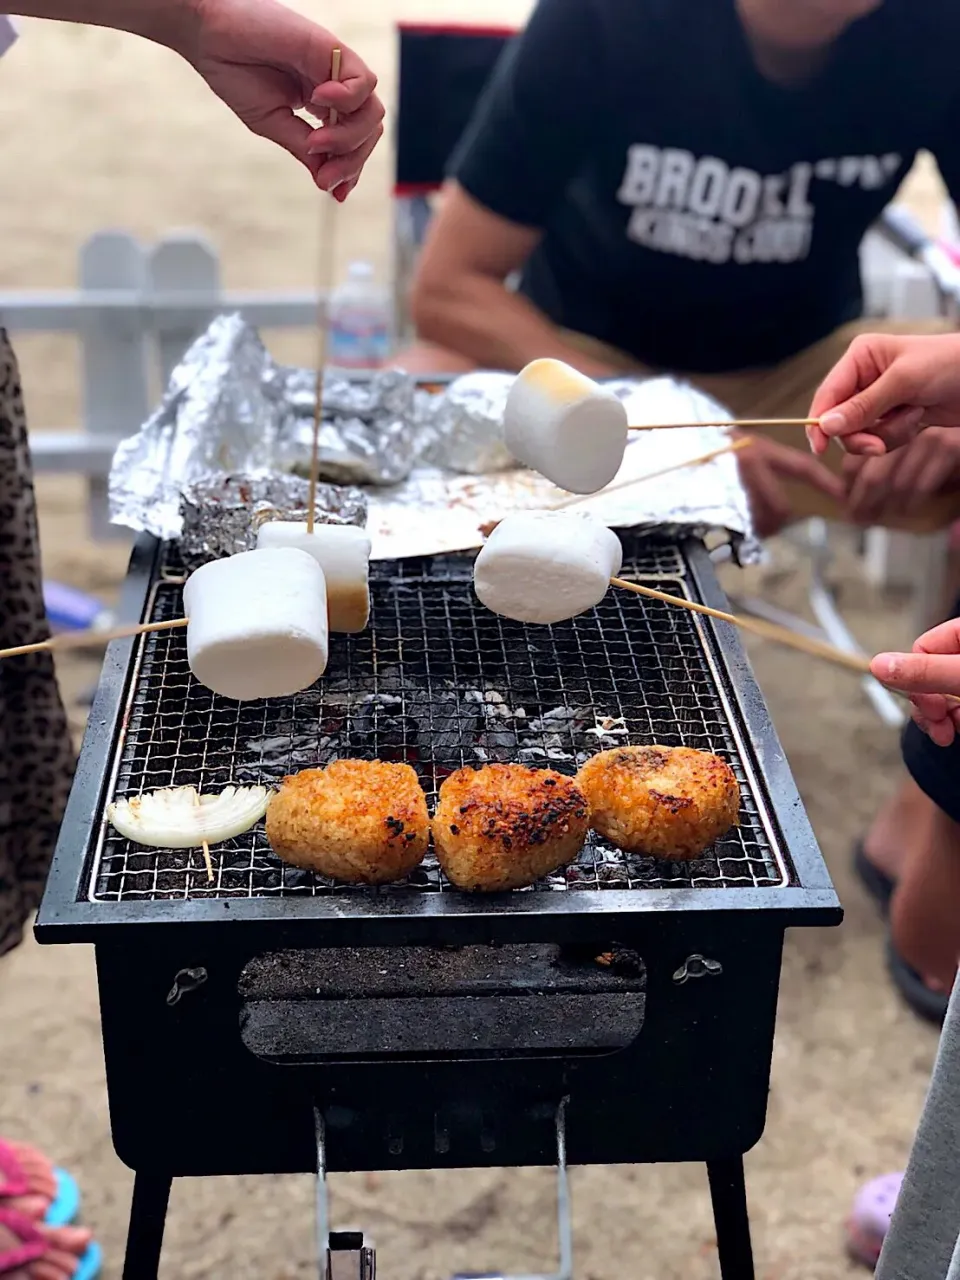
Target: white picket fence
{"points": [[135, 311]]}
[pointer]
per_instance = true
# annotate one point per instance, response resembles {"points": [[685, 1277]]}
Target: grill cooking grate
{"points": [[436, 681]]}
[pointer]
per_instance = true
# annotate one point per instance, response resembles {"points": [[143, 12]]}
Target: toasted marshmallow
{"points": [[546, 566], [343, 553], [257, 624], [564, 425]]}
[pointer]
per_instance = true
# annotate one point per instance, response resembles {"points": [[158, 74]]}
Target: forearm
{"points": [[477, 317], [167, 22]]}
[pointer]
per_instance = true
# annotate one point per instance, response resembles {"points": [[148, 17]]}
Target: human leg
{"points": [[36, 756], [36, 766], [925, 908]]}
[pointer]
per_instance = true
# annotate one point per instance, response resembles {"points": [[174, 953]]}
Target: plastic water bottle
{"points": [[359, 321]]}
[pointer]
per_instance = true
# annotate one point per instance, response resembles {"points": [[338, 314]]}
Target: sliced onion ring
{"points": [[180, 818]]}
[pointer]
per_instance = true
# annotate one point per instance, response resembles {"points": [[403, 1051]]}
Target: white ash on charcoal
{"points": [[434, 730]]}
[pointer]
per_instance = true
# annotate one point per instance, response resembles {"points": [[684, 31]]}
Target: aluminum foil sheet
{"points": [[468, 425], [373, 432], [219, 413], [434, 467], [231, 408], [221, 513]]}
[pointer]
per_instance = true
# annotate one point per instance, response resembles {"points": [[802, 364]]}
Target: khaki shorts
{"points": [[785, 391]]}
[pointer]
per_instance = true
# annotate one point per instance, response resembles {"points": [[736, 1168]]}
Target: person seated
{"points": [[683, 186]]}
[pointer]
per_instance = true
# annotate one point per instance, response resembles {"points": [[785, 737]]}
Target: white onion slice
{"points": [[179, 818]]}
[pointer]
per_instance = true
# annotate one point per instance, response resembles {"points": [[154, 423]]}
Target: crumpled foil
{"points": [[434, 467], [373, 431], [468, 425], [219, 413], [220, 513], [230, 407]]}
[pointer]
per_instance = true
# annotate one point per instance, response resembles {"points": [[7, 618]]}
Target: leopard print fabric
{"points": [[36, 755]]}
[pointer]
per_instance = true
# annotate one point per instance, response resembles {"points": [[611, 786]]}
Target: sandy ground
{"points": [[123, 136]]}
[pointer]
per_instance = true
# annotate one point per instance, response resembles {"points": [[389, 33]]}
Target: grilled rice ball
{"points": [[506, 825], [361, 821], [668, 802]]}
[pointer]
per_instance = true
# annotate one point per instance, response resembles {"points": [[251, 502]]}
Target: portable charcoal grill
{"points": [[620, 1012]]}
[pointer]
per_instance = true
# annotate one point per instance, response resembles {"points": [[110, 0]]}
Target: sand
{"points": [[122, 135]]}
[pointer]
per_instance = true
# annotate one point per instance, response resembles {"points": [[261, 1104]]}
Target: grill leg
{"points": [[729, 1195], [148, 1215]]}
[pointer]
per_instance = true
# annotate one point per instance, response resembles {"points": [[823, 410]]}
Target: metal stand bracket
{"points": [[345, 1256]]}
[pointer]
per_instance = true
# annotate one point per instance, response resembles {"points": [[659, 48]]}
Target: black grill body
{"points": [[429, 1027]]}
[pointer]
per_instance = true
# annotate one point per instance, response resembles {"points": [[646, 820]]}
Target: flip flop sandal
{"points": [[65, 1206], [877, 883], [928, 1004], [869, 1219], [33, 1246], [64, 1209]]}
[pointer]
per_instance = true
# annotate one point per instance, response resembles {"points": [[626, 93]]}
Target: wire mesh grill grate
{"points": [[649, 559], [435, 681]]}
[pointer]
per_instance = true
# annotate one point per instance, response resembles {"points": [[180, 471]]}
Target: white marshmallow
{"points": [[564, 425], [546, 566], [343, 553], [258, 624]]}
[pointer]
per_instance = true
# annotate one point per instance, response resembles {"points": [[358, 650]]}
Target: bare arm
{"points": [[265, 61], [167, 22], [460, 300]]}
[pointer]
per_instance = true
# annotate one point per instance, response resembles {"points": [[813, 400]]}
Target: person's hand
{"points": [[764, 465], [885, 389], [266, 62], [927, 674], [881, 490]]}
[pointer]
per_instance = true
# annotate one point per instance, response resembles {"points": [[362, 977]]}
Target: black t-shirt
{"points": [[694, 213]]}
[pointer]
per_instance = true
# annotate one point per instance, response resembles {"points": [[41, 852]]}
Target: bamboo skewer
{"points": [[575, 499], [326, 275], [729, 423], [207, 860], [84, 639], [733, 447], [768, 631]]}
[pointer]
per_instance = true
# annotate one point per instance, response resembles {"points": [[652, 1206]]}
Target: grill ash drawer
{"points": [[427, 1003]]}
